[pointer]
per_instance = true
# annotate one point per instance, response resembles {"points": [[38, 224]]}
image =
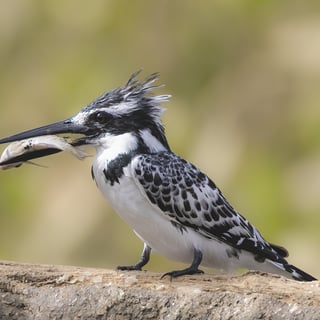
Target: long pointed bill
{"points": [[65, 126]]}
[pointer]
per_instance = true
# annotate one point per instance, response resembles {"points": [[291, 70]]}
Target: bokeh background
{"points": [[245, 81]]}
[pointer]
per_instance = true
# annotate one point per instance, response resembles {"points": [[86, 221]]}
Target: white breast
{"points": [[135, 209]]}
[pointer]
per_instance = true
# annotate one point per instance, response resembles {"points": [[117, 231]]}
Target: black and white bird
{"points": [[173, 207]]}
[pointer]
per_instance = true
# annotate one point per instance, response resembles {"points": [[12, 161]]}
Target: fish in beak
{"points": [[40, 142]]}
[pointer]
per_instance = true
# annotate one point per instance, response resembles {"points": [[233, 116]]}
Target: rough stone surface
{"points": [[30, 291]]}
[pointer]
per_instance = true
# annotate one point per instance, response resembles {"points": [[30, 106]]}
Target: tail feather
{"points": [[299, 274], [292, 271]]}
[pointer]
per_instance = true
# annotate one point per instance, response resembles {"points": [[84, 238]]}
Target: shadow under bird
{"points": [[172, 206]]}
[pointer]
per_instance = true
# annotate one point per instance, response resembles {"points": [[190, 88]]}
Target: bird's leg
{"points": [[193, 269], [144, 259]]}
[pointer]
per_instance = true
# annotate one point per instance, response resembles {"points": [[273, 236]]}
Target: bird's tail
{"points": [[291, 271]]}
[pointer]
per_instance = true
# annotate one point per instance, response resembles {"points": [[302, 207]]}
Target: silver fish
{"points": [[23, 151]]}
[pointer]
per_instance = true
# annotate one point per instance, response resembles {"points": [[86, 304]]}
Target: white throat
{"points": [[110, 146]]}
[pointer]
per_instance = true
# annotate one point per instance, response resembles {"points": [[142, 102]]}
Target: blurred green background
{"points": [[245, 80]]}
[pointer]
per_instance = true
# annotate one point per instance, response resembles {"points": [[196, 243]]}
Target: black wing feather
{"points": [[190, 199]]}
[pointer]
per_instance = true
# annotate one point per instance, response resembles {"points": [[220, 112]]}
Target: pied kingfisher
{"points": [[172, 206]]}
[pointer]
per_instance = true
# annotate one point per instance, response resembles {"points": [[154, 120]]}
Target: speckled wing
{"points": [[189, 199]]}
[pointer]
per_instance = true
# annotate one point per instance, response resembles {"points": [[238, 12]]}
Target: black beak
{"points": [[65, 126]]}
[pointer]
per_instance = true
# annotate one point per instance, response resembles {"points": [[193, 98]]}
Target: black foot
{"points": [[193, 269], [130, 268], [144, 259], [179, 273]]}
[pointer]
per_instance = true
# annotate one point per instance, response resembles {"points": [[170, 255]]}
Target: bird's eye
{"points": [[100, 117]]}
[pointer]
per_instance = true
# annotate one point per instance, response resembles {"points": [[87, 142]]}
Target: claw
{"points": [[179, 273], [130, 268]]}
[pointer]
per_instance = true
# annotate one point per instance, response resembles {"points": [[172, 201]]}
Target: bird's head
{"points": [[128, 109]]}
